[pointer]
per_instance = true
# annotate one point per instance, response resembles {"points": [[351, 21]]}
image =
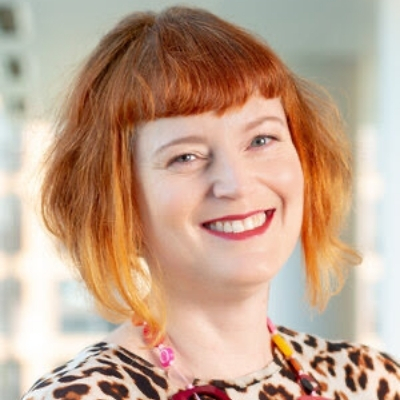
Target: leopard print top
{"points": [[106, 371]]}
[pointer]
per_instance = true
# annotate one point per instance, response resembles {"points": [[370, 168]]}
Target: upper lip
{"points": [[235, 217]]}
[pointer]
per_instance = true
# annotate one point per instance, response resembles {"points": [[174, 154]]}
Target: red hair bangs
{"points": [[177, 68]]}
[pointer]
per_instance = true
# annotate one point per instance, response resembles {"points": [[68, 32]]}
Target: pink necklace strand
{"points": [[166, 356]]}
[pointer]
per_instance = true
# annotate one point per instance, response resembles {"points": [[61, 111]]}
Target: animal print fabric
{"points": [[106, 371]]}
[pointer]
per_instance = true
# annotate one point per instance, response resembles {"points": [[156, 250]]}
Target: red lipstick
{"points": [[247, 234]]}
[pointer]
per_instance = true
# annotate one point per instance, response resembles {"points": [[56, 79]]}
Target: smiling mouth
{"points": [[241, 228]]}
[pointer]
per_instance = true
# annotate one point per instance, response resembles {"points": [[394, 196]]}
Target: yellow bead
{"points": [[283, 345]]}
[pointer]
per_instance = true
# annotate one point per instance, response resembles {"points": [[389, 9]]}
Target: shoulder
{"points": [[348, 368], [101, 371]]}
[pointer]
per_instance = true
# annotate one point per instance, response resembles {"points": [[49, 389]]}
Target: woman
{"points": [[188, 162]]}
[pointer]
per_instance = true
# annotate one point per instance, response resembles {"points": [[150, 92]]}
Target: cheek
{"points": [[158, 214], [295, 196], [288, 180], [295, 179], [165, 202], [295, 191]]}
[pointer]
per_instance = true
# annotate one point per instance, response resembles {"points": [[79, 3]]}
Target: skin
{"points": [[201, 168]]}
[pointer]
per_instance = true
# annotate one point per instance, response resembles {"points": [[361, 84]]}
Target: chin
{"points": [[253, 272]]}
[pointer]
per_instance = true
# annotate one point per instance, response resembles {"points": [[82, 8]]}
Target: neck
{"points": [[233, 332]]}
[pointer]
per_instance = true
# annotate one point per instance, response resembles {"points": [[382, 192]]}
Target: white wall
{"points": [[388, 141]]}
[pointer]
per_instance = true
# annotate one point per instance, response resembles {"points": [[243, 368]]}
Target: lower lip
{"points": [[246, 234]]}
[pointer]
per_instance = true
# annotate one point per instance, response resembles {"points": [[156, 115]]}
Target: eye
{"points": [[186, 162], [183, 159], [260, 141]]}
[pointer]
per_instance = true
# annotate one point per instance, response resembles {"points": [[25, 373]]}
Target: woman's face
{"points": [[221, 196]]}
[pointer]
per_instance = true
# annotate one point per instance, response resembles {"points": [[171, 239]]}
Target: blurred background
{"points": [[349, 46]]}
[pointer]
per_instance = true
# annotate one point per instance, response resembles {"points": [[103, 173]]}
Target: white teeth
{"points": [[262, 218], [228, 228], [248, 224], [238, 226]]}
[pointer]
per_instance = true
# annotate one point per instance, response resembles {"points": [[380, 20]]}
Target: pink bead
{"points": [[271, 326], [167, 356]]}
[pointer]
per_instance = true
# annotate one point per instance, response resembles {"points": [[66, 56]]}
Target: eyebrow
{"points": [[259, 121]]}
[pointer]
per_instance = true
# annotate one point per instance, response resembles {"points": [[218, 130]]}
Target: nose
{"points": [[229, 177]]}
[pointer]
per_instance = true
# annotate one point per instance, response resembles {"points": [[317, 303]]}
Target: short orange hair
{"points": [[181, 61]]}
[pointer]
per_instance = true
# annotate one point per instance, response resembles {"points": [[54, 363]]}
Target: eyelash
{"points": [[267, 139], [184, 158]]}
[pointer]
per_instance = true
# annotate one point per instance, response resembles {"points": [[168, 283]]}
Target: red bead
{"points": [[146, 332]]}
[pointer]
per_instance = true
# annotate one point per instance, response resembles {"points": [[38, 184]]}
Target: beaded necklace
{"points": [[166, 356]]}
